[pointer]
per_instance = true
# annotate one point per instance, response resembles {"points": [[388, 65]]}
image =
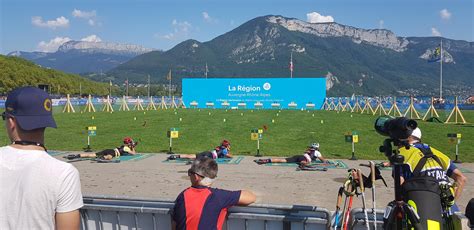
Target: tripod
{"points": [[397, 211]]}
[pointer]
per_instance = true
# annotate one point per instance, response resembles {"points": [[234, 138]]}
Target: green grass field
{"points": [[291, 132]]}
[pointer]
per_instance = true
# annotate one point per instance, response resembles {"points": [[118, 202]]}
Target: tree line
{"points": [[16, 72]]}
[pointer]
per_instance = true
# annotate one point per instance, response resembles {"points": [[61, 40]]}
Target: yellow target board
{"points": [[173, 133], [256, 134], [355, 138]]}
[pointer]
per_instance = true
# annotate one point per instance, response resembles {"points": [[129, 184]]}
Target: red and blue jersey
{"points": [[222, 151], [201, 207]]}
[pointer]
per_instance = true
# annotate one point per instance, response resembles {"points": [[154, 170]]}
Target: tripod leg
{"points": [[413, 217]]}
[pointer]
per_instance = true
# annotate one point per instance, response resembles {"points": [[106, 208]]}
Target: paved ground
{"points": [[150, 178]]}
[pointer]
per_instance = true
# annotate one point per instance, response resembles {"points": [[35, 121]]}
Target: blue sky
{"points": [[161, 24]]}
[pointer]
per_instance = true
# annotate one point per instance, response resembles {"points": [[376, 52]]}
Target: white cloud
{"points": [[91, 38], [315, 17], [180, 30], [435, 32], [381, 24], [90, 16], [83, 14], [52, 45], [445, 14], [52, 24], [208, 18]]}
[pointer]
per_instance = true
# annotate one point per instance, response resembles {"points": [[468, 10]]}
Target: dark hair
{"points": [[205, 166]]}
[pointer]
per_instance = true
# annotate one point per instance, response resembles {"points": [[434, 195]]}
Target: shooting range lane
{"points": [[333, 164], [234, 160], [152, 178]]}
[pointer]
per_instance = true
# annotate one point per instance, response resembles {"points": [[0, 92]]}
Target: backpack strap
{"points": [[427, 154]]}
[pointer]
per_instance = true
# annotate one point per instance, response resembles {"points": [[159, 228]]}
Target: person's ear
{"points": [[11, 124]]}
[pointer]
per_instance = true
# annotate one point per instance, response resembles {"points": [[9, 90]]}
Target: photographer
{"points": [[432, 168], [424, 196], [128, 148]]}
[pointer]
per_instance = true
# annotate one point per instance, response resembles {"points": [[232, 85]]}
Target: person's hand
{"points": [[303, 163]]}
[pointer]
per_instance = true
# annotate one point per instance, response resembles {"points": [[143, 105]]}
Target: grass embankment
{"points": [[291, 132]]}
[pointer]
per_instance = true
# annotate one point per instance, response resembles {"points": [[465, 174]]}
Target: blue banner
{"points": [[254, 92]]}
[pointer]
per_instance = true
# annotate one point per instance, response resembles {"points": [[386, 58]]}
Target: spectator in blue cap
{"points": [[38, 191]]}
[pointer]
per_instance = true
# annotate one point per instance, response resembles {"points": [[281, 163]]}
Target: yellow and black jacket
{"points": [[432, 168]]}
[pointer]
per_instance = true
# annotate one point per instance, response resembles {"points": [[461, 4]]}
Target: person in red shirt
{"points": [[203, 207]]}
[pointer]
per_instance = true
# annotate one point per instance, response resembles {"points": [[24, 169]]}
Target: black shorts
{"points": [[204, 154], [106, 152], [295, 159]]}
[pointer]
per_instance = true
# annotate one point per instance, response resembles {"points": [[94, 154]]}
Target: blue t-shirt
{"points": [[222, 151]]}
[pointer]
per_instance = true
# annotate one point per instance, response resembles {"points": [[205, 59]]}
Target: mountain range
{"points": [[84, 57], [353, 60]]}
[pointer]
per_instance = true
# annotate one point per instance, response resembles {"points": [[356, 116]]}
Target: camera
{"points": [[396, 128]]}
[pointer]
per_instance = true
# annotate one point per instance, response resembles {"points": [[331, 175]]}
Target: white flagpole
{"points": [[148, 86], [207, 70], [291, 65], [127, 86], [169, 84], [441, 72]]}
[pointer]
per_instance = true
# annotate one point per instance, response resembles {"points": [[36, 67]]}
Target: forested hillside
{"points": [[16, 72]]}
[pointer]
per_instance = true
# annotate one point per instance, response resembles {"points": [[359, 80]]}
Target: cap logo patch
{"points": [[47, 104]]}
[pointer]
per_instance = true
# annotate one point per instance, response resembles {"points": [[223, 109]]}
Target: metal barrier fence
{"points": [[105, 213], [116, 213], [357, 219]]}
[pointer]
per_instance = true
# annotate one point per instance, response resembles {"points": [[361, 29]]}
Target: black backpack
{"points": [[424, 191], [421, 182]]}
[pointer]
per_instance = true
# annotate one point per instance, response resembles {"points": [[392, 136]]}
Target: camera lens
{"points": [[381, 125], [411, 124]]}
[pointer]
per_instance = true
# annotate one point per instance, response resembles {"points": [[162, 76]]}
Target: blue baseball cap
{"points": [[31, 107]]}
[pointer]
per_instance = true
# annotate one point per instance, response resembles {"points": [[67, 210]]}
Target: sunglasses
{"points": [[190, 172], [5, 115]]}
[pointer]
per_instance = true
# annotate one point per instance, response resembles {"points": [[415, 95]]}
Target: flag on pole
{"points": [[435, 56], [110, 82], [126, 82]]}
